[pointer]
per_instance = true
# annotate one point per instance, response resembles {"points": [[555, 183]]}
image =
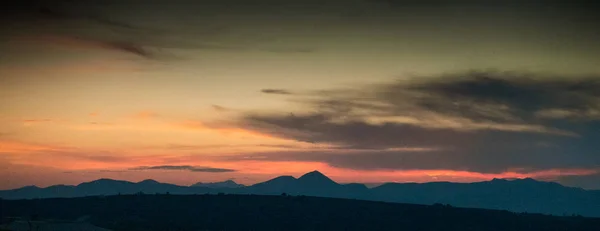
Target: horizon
{"points": [[366, 91], [367, 184]]}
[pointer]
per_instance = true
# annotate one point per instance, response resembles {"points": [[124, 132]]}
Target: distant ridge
{"points": [[223, 184], [518, 195]]}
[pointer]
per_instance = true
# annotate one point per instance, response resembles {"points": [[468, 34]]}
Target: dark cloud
{"points": [[276, 91], [354, 133], [184, 167], [495, 159], [504, 95], [44, 13], [586, 182], [365, 146], [476, 121], [129, 47], [59, 10], [105, 25]]}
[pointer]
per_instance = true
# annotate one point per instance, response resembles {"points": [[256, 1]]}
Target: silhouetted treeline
{"points": [[253, 212]]}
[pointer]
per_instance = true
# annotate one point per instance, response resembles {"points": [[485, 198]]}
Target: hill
{"points": [[254, 212]]}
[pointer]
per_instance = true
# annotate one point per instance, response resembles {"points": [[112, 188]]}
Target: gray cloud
{"points": [[49, 14], [128, 47], [111, 26], [586, 182], [475, 158], [444, 110], [184, 167], [62, 11], [477, 121], [276, 91], [504, 95]]}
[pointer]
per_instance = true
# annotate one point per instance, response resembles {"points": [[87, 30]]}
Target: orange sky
{"points": [[82, 99]]}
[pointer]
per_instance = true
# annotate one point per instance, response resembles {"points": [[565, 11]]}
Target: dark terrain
{"points": [[253, 212]]}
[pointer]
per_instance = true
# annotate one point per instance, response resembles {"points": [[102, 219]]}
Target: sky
{"points": [[361, 90]]}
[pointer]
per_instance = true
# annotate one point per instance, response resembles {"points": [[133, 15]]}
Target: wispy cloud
{"points": [[146, 115], [89, 42], [276, 91], [220, 108], [62, 13], [184, 167], [30, 122]]}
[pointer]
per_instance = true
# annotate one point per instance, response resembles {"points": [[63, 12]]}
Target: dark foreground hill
{"points": [[253, 212]]}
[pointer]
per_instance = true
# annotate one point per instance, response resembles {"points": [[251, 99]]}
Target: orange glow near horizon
{"points": [[85, 165]]}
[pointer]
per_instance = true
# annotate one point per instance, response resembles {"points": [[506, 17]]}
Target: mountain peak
{"points": [[527, 180], [314, 173], [315, 177], [30, 187], [148, 181], [102, 180], [105, 181], [282, 178]]}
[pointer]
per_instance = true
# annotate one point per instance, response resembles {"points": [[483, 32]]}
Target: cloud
{"points": [[276, 91], [485, 157], [53, 12], [30, 122], [477, 121], [45, 19], [184, 167], [585, 181], [289, 50], [220, 108], [89, 42], [145, 115], [127, 47], [505, 96], [322, 128], [106, 26]]}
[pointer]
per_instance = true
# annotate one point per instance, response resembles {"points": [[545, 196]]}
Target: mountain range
{"points": [[519, 195]]}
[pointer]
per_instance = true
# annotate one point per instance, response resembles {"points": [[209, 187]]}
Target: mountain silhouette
{"points": [[275, 186], [310, 184], [517, 195], [316, 178], [100, 187]]}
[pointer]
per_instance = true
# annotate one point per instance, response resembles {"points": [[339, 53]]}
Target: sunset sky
{"points": [[362, 90]]}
